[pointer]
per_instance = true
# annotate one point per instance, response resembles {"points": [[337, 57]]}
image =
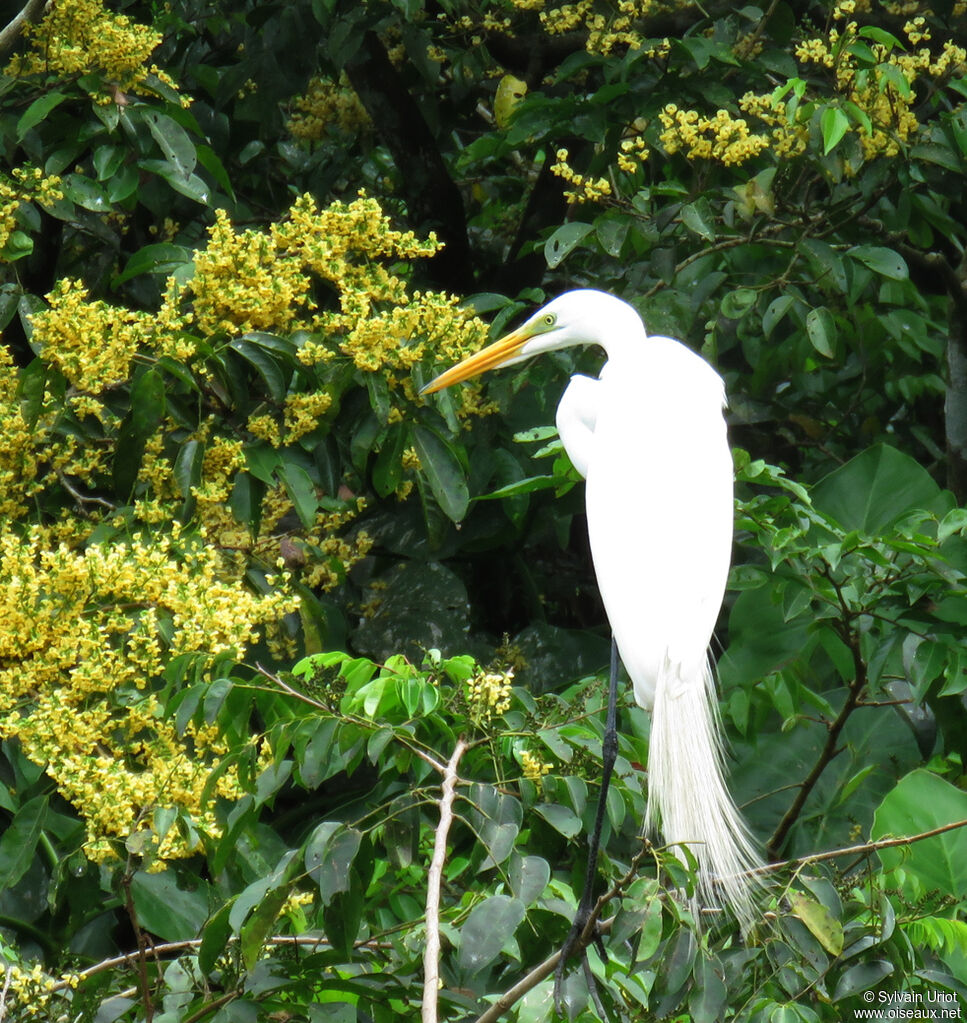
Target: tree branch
{"points": [[431, 955], [32, 11], [829, 751]]}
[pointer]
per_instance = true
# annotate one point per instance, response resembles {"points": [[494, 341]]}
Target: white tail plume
{"points": [[687, 794]]}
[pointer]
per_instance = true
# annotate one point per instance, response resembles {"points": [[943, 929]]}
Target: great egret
{"points": [[649, 437]]}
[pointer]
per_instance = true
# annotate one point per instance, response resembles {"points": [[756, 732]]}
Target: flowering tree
{"points": [[234, 243]]}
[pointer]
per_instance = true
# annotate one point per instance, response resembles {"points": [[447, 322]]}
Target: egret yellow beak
{"points": [[487, 358]]}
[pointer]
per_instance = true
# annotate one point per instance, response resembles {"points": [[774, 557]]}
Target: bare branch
{"points": [[863, 849], [431, 955], [831, 746], [32, 11]]}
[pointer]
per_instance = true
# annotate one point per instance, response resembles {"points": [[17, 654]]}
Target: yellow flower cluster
{"points": [[29, 184], [91, 343], [327, 105], [488, 696], [633, 153], [242, 282], [81, 37], [88, 635], [608, 26], [722, 138], [585, 189], [534, 767], [788, 136], [34, 993], [874, 90]]}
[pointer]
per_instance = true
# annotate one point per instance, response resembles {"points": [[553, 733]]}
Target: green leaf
{"points": [[861, 977], [561, 818], [874, 489], [698, 218], [708, 998], [301, 490], [823, 926], [162, 258], [268, 368], [528, 877], [166, 910], [147, 403], [885, 262], [188, 465], [564, 240], [443, 471], [821, 330], [37, 111], [86, 193], [214, 938], [777, 309], [920, 802], [329, 854], [834, 124], [18, 845], [173, 141], [490, 925]]}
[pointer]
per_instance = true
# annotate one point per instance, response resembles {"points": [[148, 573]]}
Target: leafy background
{"points": [[270, 620]]}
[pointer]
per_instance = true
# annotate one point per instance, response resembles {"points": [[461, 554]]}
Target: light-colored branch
{"points": [[32, 11], [431, 954], [864, 848]]}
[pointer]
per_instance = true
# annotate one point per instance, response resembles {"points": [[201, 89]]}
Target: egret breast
{"points": [[660, 511]]}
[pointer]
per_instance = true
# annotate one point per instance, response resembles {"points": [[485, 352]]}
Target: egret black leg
{"points": [[609, 751]]}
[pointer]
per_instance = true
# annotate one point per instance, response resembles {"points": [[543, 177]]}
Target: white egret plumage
{"points": [[649, 437]]}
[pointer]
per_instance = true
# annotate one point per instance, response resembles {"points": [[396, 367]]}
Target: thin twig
{"points": [[593, 929], [7, 978], [431, 955], [830, 748], [172, 948], [864, 849]]}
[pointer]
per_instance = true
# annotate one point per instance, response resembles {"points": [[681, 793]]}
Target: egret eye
{"points": [[549, 320]]}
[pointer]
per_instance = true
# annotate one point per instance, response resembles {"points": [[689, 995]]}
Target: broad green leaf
{"points": [[528, 877], [163, 258], [921, 802], [886, 262], [561, 818], [564, 240], [166, 910], [268, 368], [301, 490], [490, 925], [443, 472], [874, 489], [834, 124], [188, 465], [735, 304], [18, 846], [147, 403], [821, 331], [37, 111], [707, 1001], [697, 217], [173, 141], [861, 977], [86, 193], [823, 926], [330, 852], [777, 309]]}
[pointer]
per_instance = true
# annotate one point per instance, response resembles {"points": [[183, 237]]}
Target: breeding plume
{"points": [[649, 437]]}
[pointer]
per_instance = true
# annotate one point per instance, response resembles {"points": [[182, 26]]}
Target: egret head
{"points": [[583, 317]]}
